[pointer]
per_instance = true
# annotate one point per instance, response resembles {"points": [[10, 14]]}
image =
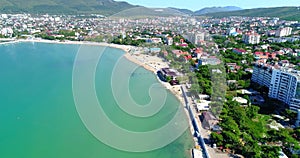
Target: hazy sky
{"points": [[199, 4]]}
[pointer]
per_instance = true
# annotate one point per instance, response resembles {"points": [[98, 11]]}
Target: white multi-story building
{"points": [[295, 101], [283, 83], [231, 31], [286, 31], [251, 38], [262, 75], [7, 32], [196, 38], [169, 41]]}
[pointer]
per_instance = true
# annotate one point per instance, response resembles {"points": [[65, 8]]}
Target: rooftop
{"points": [[285, 69], [169, 72]]}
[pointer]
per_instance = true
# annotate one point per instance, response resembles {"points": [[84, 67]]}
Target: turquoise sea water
{"points": [[38, 117]]}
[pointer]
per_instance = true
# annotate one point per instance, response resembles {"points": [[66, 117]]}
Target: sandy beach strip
{"points": [[133, 59], [154, 63]]}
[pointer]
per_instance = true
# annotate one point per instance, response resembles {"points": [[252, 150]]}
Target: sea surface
{"points": [[38, 117]]}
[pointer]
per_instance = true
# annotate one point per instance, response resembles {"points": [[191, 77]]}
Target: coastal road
{"points": [[204, 134]]}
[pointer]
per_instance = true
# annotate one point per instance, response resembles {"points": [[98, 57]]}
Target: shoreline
{"points": [[175, 90], [123, 47], [148, 62]]}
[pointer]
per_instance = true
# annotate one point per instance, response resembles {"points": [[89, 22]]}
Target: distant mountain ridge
{"points": [[142, 12], [105, 7], [185, 11], [124, 9], [216, 9], [287, 13], [207, 10]]}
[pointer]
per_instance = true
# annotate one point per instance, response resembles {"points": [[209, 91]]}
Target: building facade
{"points": [[251, 38], [196, 38], [286, 31], [231, 32], [169, 41], [283, 83], [283, 86], [295, 102], [262, 75]]}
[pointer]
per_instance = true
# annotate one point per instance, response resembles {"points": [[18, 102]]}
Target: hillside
{"points": [[185, 11], [216, 9], [105, 7], [140, 12], [287, 13]]}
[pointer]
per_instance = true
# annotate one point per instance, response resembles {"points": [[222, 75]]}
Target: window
{"points": [[297, 96]]}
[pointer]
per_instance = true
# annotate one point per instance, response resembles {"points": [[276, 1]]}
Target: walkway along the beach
{"points": [[194, 122]]}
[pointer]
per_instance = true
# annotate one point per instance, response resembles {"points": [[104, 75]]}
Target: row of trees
{"points": [[292, 59], [50, 37], [203, 76], [278, 46], [127, 41]]}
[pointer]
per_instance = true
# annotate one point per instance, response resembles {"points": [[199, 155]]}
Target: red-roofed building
{"points": [[264, 55], [188, 57], [184, 45], [239, 51], [198, 52], [261, 55], [178, 53], [181, 40]]}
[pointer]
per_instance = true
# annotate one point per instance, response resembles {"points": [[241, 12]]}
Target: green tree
{"points": [[168, 78], [218, 138], [270, 151], [252, 111]]}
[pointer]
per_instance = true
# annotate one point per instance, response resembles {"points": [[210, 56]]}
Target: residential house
{"points": [[239, 51], [240, 100], [264, 55], [178, 53], [208, 120], [168, 72]]}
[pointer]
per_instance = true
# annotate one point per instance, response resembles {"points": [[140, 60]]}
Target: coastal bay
{"points": [[38, 115]]}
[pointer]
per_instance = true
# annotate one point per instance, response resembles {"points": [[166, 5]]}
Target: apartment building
{"points": [[283, 83], [262, 75], [196, 38], [286, 31], [251, 38], [295, 102]]}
